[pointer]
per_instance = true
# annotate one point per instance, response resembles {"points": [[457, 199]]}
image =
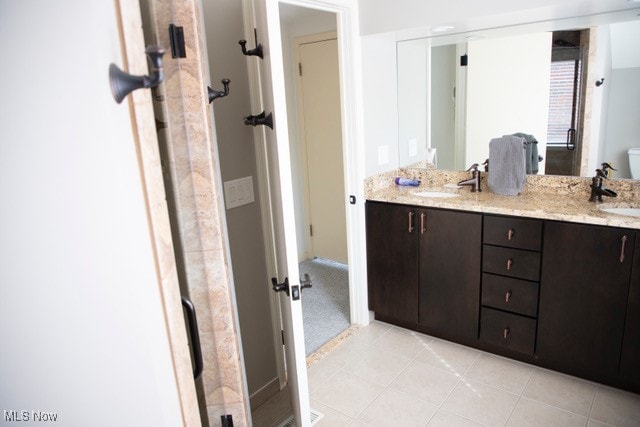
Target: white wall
{"points": [[413, 98], [443, 81], [380, 98], [82, 324], [379, 16], [507, 91], [623, 107]]}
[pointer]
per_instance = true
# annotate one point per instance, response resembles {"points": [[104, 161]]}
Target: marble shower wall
{"points": [[184, 120]]}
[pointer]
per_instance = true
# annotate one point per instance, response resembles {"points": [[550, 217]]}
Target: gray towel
{"points": [[507, 172], [532, 151]]}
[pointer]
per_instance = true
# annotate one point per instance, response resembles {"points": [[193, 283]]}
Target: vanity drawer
{"points": [[513, 232], [511, 262], [508, 330], [507, 293]]}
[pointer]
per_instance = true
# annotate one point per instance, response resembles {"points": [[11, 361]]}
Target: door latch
{"points": [[280, 287], [306, 283]]}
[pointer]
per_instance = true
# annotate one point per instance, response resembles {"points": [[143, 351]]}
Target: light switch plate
{"points": [[238, 192]]}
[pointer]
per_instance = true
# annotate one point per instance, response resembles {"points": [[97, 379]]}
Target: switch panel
{"points": [[238, 192]]}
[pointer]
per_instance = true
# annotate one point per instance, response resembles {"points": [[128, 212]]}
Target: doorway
{"points": [[323, 253]]}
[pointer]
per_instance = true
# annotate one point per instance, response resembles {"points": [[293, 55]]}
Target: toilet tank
{"points": [[634, 162]]}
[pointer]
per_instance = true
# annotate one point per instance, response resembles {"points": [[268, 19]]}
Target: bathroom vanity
{"points": [[545, 277]]}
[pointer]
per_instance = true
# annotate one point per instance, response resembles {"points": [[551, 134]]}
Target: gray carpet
{"points": [[325, 306]]}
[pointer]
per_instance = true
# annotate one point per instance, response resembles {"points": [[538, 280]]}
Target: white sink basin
{"points": [[623, 211], [440, 194]]}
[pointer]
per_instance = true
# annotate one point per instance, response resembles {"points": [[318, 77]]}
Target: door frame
{"points": [[304, 159], [350, 64]]}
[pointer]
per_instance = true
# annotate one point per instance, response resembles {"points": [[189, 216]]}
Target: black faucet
{"points": [[474, 181], [596, 185]]}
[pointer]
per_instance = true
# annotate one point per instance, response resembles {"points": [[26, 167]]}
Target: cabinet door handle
{"points": [[411, 221], [624, 243], [509, 263], [422, 227], [510, 234], [506, 332], [507, 296]]}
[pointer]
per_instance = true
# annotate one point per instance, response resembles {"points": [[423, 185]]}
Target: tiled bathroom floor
{"points": [[388, 376]]}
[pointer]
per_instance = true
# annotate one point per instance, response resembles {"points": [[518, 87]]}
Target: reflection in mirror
{"points": [[540, 83]]}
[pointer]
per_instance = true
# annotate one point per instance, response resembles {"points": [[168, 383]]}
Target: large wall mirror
{"points": [[457, 92]]}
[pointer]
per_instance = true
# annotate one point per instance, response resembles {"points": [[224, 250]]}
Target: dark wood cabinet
{"points": [[583, 296], [392, 261], [450, 256], [630, 360], [565, 296]]}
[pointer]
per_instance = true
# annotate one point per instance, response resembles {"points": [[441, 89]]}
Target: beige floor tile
{"points": [[275, 409], [616, 407], [481, 403], [393, 408], [371, 332], [378, 365], [331, 418], [425, 382], [345, 353], [444, 418], [451, 357], [347, 393], [531, 413], [403, 342], [560, 390], [357, 423], [320, 372], [593, 423], [501, 373]]}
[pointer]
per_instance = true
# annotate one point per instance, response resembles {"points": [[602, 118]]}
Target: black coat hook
{"points": [[257, 51], [600, 82], [214, 94], [124, 83], [260, 119]]}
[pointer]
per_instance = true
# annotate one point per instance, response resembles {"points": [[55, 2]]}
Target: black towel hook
{"points": [[257, 51], [124, 83], [215, 94], [260, 119]]}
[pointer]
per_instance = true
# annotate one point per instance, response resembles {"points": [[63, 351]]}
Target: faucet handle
{"points": [[473, 167], [605, 168]]}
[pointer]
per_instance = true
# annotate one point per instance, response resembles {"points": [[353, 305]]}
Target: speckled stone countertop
{"points": [[545, 197]]}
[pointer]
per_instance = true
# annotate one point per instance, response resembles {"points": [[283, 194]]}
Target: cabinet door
{"points": [[583, 295], [392, 261], [630, 361], [450, 247]]}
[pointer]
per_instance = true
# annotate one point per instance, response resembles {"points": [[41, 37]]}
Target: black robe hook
{"points": [[124, 83], [260, 119], [214, 94], [257, 51]]}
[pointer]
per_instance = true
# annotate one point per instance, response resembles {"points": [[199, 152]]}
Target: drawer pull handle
{"points": [[506, 332], [509, 263], [422, 227], [624, 243], [510, 234], [507, 296], [411, 221]]}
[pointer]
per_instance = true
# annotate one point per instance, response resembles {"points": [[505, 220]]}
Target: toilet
{"points": [[634, 162]]}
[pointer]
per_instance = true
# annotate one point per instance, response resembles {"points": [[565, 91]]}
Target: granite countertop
{"points": [[564, 200]]}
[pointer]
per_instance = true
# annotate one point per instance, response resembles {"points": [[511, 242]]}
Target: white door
{"points": [[320, 93], [81, 317], [267, 21]]}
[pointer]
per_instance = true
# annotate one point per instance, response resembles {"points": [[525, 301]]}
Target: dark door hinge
{"points": [[311, 230], [300, 69], [282, 335]]}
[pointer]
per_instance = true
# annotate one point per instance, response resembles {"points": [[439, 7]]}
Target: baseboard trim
{"points": [[264, 393]]}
